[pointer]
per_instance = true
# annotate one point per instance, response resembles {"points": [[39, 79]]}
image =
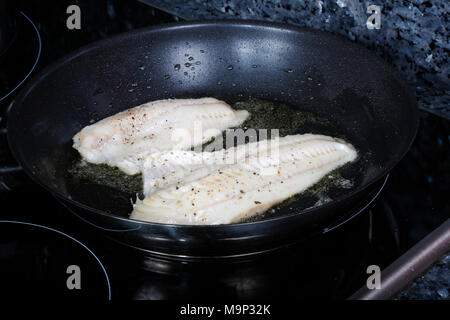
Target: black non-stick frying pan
{"points": [[364, 99]]}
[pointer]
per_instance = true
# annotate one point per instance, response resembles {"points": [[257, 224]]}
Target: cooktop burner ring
{"points": [[42, 227], [38, 56], [328, 229]]}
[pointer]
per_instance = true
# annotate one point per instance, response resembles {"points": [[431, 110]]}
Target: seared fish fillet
{"points": [[125, 139], [234, 192], [163, 169]]}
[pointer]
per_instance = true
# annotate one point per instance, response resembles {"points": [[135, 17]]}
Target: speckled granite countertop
{"points": [[414, 35], [434, 284]]}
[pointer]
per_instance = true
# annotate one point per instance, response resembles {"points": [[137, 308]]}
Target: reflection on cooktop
{"points": [[329, 266], [25, 48]]}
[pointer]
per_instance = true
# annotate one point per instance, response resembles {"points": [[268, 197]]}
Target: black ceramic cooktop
{"points": [[47, 250]]}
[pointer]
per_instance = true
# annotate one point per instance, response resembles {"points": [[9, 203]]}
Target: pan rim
{"points": [[282, 27]]}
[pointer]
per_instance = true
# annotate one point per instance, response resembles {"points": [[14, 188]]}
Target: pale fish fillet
{"points": [[163, 169], [238, 191], [125, 139]]}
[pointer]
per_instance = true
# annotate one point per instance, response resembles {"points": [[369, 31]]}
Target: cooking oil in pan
{"points": [[263, 115]]}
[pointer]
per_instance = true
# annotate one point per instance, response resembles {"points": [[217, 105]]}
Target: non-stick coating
{"points": [[364, 99]]}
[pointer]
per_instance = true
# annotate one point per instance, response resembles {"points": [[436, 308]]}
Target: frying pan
{"points": [[364, 99]]}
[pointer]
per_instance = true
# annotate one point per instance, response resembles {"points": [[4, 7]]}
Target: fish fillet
{"points": [[163, 169], [245, 188], [125, 139]]}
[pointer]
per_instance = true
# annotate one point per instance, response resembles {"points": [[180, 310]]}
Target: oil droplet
{"points": [[202, 51], [185, 73], [288, 70], [233, 84], [219, 83], [192, 68], [186, 54], [191, 58], [142, 68], [130, 90], [254, 66], [230, 67], [198, 63], [177, 67], [187, 64], [309, 78]]}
